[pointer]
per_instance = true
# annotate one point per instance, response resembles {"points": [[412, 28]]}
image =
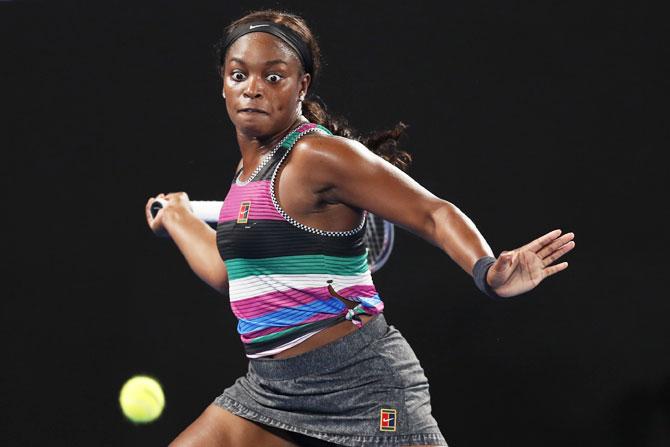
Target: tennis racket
{"points": [[379, 233]]}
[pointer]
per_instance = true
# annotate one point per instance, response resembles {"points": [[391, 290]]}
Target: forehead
{"points": [[261, 47]]}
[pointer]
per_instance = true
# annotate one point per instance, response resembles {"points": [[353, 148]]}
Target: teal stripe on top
{"points": [[297, 265], [295, 136]]}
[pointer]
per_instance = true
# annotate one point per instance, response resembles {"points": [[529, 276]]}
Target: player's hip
{"points": [[365, 388]]}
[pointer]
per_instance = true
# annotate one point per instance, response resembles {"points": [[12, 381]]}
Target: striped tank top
{"points": [[285, 277]]}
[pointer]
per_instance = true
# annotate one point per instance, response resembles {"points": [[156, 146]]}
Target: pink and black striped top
{"points": [[284, 276]]}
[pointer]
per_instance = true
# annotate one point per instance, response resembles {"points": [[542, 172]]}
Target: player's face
{"points": [[262, 84]]}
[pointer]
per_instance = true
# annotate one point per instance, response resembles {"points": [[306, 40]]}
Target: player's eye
{"points": [[273, 78], [238, 76]]}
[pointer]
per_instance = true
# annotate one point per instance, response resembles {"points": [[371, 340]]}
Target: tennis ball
{"points": [[142, 399]]}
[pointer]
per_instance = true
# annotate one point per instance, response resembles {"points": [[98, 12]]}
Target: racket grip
{"points": [[157, 206]]}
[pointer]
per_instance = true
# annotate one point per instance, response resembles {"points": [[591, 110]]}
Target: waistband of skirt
{"points": [[312, 361]]}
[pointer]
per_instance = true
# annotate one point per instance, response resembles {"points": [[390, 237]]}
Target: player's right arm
{"points": [[195, 239]]}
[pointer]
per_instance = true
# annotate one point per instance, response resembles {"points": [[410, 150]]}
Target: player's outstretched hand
{"points": [[518, 271]]}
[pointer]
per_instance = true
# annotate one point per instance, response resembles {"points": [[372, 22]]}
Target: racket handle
{"points": [[156, 207], [207, 210]]}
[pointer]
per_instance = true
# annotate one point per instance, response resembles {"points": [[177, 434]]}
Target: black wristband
{"points": [[479, 272]]}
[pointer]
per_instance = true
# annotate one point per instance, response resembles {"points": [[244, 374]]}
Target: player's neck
{"points": [[253, 148]]}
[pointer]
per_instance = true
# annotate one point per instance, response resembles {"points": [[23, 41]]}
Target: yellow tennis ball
{"points": [[142, 399]]}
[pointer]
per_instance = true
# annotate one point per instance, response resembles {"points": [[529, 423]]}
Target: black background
{"points": [[529, 116]]}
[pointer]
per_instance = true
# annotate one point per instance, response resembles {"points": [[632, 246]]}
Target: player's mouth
{"points": [[252, 110]]}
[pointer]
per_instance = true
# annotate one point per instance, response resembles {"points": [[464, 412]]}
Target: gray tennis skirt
{"points": [[366, 388]]}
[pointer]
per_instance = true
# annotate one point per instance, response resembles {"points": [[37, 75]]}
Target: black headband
{"points": [[283, 32]]}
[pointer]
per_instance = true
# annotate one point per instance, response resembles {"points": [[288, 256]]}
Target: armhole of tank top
{"points": [[294, 222]]}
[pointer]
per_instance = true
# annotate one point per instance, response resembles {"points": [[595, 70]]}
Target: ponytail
{"points": [[384, 143]]}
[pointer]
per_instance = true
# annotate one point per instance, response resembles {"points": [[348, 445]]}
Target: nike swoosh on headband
{"points": [[256, 26]]}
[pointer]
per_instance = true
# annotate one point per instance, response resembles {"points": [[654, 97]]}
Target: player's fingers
{"points": [[151, 214], [555, 269], [558, 253], [541, 241], [555, 245], [179, 196], [147, 206], [147, 210]]}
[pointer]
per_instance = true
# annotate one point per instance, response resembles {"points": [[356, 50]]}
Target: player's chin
{"points": [[253, 124]]}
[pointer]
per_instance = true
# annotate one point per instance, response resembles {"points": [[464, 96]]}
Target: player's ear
{"points": [[304, 85]]}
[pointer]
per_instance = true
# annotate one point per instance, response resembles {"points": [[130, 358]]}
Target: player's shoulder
{"points": [[318, 148]]}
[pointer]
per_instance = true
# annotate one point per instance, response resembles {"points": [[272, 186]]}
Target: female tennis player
{"points": [[325, 368]]}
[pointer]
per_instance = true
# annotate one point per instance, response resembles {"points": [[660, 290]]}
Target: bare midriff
{"points": [[326, 336]]}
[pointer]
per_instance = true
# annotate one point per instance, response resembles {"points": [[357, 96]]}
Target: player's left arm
{"points": [[351, 174]]}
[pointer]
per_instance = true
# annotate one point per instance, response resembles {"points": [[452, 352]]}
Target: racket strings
{"points": [[379, 240]]}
